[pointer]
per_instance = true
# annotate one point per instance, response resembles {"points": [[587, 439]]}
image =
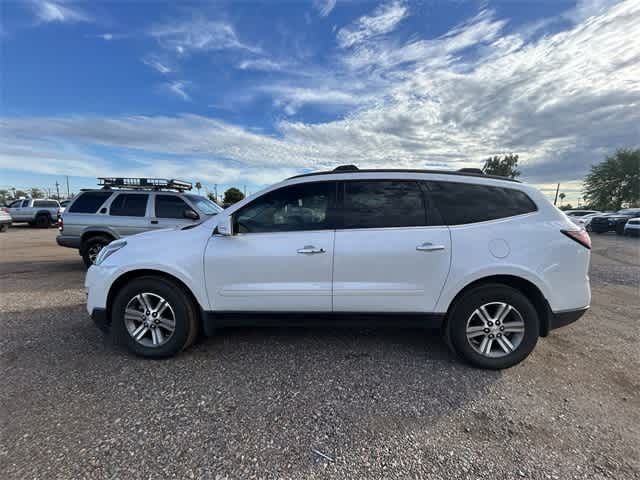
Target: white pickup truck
{"points": [[41, 212]]}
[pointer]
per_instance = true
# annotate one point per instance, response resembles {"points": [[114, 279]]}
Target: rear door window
{"points": [[382, 204], [170, 206], [463, 203], [89, 202], [129, 205]]}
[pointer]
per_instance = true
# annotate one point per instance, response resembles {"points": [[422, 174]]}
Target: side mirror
{"points": [[225, 225], [190, 214]]}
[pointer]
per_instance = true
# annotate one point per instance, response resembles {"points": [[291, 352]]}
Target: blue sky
{"points": [[247, 93]]}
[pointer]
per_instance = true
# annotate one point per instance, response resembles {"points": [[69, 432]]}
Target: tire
{"points": [[181, 309], [4, 227], [465, 314], [620, 228], [92, 246], [43, 221]]}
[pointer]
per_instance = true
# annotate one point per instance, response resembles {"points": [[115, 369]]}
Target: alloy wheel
{"points": [[149, 319], [495, 329]]}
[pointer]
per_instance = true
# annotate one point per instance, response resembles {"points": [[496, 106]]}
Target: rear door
{"points": [[168, 212], [387, 258], [128, 213]]}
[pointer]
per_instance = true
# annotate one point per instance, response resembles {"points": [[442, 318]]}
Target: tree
{"points": [[211, 196], [615, 181], [36, 193], [232, 195], [562, 196], [198, 187], [5, 197], [506, 166], [19, 193]]}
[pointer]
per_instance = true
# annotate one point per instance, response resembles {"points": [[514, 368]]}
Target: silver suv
{"points": [[41, 212], [126, 206]]}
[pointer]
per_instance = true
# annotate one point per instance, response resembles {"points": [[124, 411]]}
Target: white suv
{"points": [[488, 260]]}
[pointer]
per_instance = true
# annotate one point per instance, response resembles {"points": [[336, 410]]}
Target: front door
{"points": [[280, 257], [168, 212], [387, 258]]}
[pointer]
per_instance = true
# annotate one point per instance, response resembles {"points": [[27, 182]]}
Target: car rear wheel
{"points": [[43, 221], [493, 326], [154, 317], [4, 227], [91, 248]]}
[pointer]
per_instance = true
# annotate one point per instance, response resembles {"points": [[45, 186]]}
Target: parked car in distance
{"points": [[5, 219], [487, 260], [632, 227], [41, 212], [576, 215], [613, 222], [584, 221], [127, 206]]}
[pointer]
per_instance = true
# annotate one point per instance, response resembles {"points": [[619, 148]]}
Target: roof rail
{"points": [[464, 172], [133, 183]]}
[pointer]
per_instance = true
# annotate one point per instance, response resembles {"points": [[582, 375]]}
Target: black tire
{"points": [[620, 228], [4, 227], [471, 300], [43, 220], [92, 246], [186, 316]]}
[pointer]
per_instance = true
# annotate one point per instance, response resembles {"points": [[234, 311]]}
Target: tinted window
{"points": [[170, 206], [45, 204], [461, 203], [294, 208], [89, 202], [25, 203], [378, 204], [129, 205]]}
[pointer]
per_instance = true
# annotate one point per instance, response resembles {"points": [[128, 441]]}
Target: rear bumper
{"points": [[68, 241], [561, 319]]}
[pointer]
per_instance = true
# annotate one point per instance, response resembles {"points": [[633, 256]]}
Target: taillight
{"points": [[581, 236], [4, 209], [60, 224]]}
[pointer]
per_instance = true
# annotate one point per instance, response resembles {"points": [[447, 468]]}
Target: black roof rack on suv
{"points": [[468, 172], [132, 183]]}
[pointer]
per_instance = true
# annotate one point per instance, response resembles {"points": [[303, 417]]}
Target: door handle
{"points": [[429, 247], [310, 250], [154, 222]]}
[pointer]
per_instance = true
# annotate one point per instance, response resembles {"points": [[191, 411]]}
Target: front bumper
{"points": [[99, 317], [70, 241], [561, 319]]}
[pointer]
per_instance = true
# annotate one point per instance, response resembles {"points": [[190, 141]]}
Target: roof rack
{"points": [[132, 183], [467, 172]]}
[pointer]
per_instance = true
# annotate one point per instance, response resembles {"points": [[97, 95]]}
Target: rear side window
{"points": [[129, 205], [461, 203], [89, 202], [45, 204], [380, 204], [170, 206]]}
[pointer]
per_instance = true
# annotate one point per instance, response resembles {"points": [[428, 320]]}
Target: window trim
{"points": [[331, 209], [340, 207]]}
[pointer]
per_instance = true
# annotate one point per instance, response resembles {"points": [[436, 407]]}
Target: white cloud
{"points": [[58, 11], [383, 20], [178, 87], [157, 65], [324, 7], [199, 34], [262, 64]]}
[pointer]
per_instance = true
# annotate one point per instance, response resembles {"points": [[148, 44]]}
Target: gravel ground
{"points": [[323, 403]]}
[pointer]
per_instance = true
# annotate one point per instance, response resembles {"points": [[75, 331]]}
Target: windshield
{"points": [[206, 206], [629, 211]]}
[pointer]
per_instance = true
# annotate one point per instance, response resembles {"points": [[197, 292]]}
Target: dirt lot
{"points": [[323, 403]]}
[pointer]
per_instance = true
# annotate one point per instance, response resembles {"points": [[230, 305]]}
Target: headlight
{"points": [[109, 250]]}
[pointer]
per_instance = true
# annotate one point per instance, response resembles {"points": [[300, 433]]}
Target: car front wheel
{"points": [[154, 317], [493, 326]]}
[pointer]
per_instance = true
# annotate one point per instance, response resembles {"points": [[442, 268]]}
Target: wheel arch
{"points": [[95, 232], [525, 286], [130, 275]]}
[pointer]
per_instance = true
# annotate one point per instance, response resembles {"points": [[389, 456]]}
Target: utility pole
{"points": [[557, 190], [244, 190], [68, 193], [57, 191], [215, 191]]}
